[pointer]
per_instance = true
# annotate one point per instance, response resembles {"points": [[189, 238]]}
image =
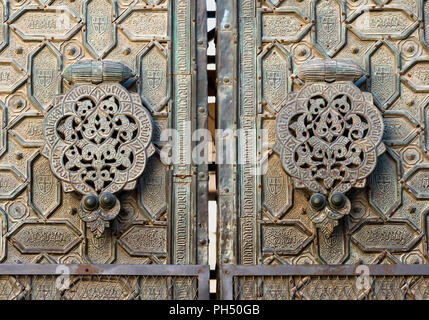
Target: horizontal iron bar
{"points": [[325, 270], [105, 269]]}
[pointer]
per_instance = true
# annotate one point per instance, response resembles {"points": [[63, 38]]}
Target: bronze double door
{"points": [[329, 98]]}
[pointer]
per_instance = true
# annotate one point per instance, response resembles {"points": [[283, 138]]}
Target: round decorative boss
{"points": [[98, 139], [329, 137]]}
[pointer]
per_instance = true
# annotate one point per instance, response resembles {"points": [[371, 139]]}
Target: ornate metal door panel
{"points": [[57, 52], [276, 56]]}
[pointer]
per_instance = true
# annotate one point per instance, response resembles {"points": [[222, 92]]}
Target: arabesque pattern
{"points": [[98, 138], [388, 218], [100, 135], [329, 135]]}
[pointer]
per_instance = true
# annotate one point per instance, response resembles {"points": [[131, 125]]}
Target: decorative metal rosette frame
{"points": [[328, 137], [98, 140]]}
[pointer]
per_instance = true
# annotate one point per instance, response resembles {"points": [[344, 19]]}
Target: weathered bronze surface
{"points": [[322, 282], [270, 55], [104, 282], [124, 61], [329, 137], [98, 139], [367, 55]]}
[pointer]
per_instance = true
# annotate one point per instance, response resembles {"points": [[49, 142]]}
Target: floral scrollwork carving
{"points": [[328, 137], [98, 140]]}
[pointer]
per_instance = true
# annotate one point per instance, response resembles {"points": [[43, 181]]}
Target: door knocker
{"points": [[98, 139], [329, 135]]}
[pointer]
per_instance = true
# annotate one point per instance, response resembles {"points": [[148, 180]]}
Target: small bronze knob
{"points": [[90, 202], [107, 200], [318, 201], [338, 200]]}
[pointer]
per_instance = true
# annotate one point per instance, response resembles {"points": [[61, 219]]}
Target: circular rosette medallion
{"points": [[98, 138], [329, 137]]}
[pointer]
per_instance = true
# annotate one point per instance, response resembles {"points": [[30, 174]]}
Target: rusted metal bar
{"points": [[202, 272], [105, 269], [343, 282], [325, 270]]}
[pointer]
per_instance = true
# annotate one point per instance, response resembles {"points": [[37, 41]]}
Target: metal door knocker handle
{"points": [[329, 135], [98, 138]]}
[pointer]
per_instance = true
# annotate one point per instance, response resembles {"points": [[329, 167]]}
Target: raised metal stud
{"points": [[338, 200], [90, 202], [107, 200], [318, 201]]}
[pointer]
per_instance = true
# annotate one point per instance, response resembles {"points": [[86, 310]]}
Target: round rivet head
{"points": [[411, 156], [410, 48], [18, 104], [410, 102], [107, 200], [19, 50], [338, 200], [71, 51], [302, 52], [126, 51], [90, 202], [414, 260], [318, 201]]}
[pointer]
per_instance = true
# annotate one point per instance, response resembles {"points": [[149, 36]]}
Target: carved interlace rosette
{"points": [[98, 140], [328, 137]]}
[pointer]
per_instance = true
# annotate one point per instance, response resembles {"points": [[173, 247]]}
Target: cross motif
{"points": [[329, 23], [153, 79], [99, 23], [45, 77], [382, 73], [274, 78]]}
